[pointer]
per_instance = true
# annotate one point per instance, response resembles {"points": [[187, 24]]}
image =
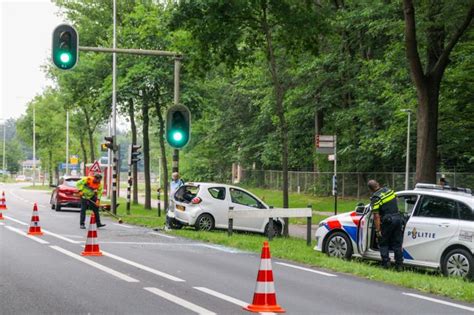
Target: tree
{"points": [[428, 81]]}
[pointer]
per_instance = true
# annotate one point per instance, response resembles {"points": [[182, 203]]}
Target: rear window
{"points": [[70, 182], [217, 192], [465, 212], [186, 193]]}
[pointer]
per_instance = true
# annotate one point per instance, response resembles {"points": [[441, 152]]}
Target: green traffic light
{"points": [[177, 136], [65, 57]]}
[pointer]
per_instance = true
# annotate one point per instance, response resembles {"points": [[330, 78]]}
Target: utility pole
{"points": [[407, 166], [34, 145]]}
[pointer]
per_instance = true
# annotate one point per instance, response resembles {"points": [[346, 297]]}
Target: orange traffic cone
{"points": [[92, 247], [35, 228], [3, 202], [264, 298], [1, 215]]}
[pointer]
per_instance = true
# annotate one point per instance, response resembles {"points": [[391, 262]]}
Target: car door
{"points": [[218, 205], [466, 225], [406, 205], [363, 231], [433, 223], [242, 200]]}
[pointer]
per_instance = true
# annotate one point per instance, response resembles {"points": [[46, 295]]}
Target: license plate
{"points": [[180, 207]]}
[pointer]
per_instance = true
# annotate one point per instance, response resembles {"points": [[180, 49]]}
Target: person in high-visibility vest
{"points": [[90, 190], [388, 223]]}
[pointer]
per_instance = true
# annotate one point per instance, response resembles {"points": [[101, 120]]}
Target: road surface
{"points": [[146, 272]]}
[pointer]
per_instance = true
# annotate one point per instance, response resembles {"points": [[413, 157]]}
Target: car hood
{"points": [[343, 219]]}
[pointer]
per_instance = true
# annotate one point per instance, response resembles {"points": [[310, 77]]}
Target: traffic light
{"points": [[133, 154], [109, 144], [65, 46], [178, 126]]}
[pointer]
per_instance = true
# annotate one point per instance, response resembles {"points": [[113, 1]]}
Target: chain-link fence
{"points": [[350, 184]]}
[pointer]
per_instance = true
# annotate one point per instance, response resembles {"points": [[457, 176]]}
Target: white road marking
{"points": [[123, 225], [162, 235], [467, 308], [15, 220], [132, 243], [108, 270], [222, 296], [34, 238], [180, 301], [307, 269], [143, 267], [60, 237]]}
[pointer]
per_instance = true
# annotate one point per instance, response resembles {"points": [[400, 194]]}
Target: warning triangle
{"points": [[95, 167]]}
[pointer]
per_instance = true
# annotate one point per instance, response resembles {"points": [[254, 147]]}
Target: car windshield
{"points": [[71, 182]]}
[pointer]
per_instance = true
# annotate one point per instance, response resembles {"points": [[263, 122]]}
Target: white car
{"points": [[206, 206], [439, 231]]}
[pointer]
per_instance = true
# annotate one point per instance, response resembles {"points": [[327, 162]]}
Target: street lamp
{"points": [[407, 167]]}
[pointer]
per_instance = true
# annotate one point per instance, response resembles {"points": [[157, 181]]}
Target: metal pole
{"points": [[114, 115], [407, 167], [335, 174], [177, 68], [4, 143], [159, 201], [34, 145], [129, 187], [145, 52], [67, 142]]}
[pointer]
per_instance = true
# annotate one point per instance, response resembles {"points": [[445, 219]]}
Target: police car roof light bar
{"points": [[439, 187]]}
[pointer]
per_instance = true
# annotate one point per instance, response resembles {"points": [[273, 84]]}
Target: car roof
{"points": [[211, 184]]}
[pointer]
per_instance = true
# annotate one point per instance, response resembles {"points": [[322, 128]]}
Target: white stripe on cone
{"points": [[266, 264], [265, 287]]}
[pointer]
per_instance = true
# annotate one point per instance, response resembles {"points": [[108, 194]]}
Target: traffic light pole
{"points": [[177, 69]]}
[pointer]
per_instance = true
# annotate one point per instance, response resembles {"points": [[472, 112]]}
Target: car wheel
{"points": [[276, 229], [175, 224], [339, 245], [205, 222], [458, 263], [58, 207], [53, 206]]}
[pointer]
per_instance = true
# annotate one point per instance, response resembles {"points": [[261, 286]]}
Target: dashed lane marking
{"points": [[143, 267], [34, 238], [103, 268], [177, 300], [467, 308], [162, 235], [307, 269]]}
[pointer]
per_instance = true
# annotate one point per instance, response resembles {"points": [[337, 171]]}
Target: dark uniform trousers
{"points": [[392, 238], [89, 204]]}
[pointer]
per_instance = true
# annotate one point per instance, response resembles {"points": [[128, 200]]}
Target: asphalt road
{"points": [[145, 272]]}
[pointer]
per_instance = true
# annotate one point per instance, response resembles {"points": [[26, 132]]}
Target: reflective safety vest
{"points": [[384, 201], [87, 186]]}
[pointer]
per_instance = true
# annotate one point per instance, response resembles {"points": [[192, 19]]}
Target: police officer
{"points": [[388, 223], [90, 190]]}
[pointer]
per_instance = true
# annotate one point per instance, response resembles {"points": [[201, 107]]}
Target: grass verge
{"points": [[294, 249], [38, 187]]}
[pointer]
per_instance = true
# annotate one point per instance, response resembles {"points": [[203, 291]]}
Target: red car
{"points": [[66, 194]]}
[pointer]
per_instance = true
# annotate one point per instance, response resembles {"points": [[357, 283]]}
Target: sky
{"points": [[25, 31]]}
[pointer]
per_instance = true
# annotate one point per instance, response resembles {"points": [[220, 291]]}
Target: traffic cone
{"points": [[1, 215], [35, 228], [92, 247], [3, 202], [264, 298]]}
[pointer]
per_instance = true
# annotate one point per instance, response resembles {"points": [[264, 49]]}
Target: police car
{"points": [[439, 230]]}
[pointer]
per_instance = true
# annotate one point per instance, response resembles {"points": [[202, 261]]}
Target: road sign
{"points": [[325, 144], [74, 159], [71, 167], [95, 168]]}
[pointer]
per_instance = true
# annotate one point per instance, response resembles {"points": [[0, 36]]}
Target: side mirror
{"points": [[271, 207]]}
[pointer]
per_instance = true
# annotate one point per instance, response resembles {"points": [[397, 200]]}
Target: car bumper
{"points": [[319, 235], [70, 204], [182, 216]]}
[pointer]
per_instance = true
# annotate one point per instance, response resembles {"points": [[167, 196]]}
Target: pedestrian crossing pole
{"points": [[129, 187], [177, 68], [334, 179]]}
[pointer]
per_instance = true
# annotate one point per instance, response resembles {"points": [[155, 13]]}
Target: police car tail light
{"points": [[196, 200]]}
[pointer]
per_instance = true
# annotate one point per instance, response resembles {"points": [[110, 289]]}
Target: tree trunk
{"points": [[428, 84], [146, 150], [279, 108], [133, 127], [90, 134], [84, 151], [427, 135], [164, 163]]}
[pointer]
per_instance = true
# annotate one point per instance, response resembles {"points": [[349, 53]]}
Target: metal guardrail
{"points": [[270, 214]]}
